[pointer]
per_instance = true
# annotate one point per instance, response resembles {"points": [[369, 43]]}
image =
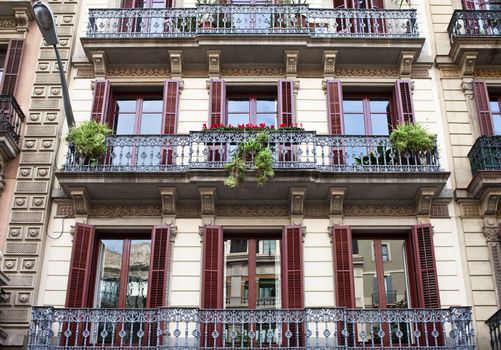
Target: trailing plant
{"points": [[412, 138], [88, 139], [253, 149]]}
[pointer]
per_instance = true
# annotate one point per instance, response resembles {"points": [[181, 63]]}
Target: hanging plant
{"points": [[88, 139], [254, 149]]}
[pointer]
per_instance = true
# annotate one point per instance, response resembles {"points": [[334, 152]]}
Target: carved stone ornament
{"points": [[176, 60], [124, 210], [168, 195], [208, 200], [367, 72], [23, 17], [491, 234], [405, 64], [420, 73], [7, 23], [451, 73], [252, 72], [470, 210], [252, 210], [379, 210], [487, 73], [329, 59], [85, 73], [495, 251], [424, 198], [468, 63], [136, 71], [80, 200], [291, 61], [490, 203], [336, 199], [99, 60], [296, 196], [214, 63]]}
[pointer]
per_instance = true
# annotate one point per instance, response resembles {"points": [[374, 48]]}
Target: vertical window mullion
{"points": [[367, 116], [124, 274], [378, 257], [253, 110], [251, 259]]}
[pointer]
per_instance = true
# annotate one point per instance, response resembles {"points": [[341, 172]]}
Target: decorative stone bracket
{"points": [[424, 200], [207, 201], [296, 196], [291, 62], [169, 197], [100, 64], [336, 200], [329, 60], [214, 58], [405, 64], [23, 17], [176, 63], [489, 202], [80, 200], [468, 63]]}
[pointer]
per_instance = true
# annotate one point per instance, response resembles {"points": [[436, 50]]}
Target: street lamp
{"points": [[45, 21]]}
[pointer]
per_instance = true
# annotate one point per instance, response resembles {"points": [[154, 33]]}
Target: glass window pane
{"points": [[269, 105], [139, 265], [353, 106], [238, 106], [235, 119], [126, 106], [379, 124], [379, 106], [494, 105], [152, 106], [268, 276], [364, 269], [354, 124], [236, 273], [395, 272], [108, 280], [151, 124], [496, 121], [268, 119], [125, 124]]}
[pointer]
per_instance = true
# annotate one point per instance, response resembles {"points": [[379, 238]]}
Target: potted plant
{"points": [[88, 141], [413, 139], [253, 149]]}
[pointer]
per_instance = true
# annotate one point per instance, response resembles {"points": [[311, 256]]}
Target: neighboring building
{"points": [[348, 221], [19, 45]]}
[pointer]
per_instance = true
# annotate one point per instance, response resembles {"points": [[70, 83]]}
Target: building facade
{"points": [[348, 226]]}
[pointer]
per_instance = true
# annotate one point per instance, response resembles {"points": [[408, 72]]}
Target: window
{"points": [[146, 3], [367, 115], [3, 54], [138, 115], [482, 5], [362, 4], [495, 105], [253, 109]]}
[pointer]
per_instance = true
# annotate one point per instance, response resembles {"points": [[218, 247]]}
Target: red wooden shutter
{"points": [[217, 107], [484, 113], [469, 4], [286, 102], [212, 268], [128, 4], [335, 106], [342, 253], [403, 101], [159, 267], [12, 67], [79, 274], [425, 266], [100, 110], [292, 269], [171, 94]]}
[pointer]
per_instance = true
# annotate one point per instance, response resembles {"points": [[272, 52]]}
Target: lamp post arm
{"points": [[64, 87]]}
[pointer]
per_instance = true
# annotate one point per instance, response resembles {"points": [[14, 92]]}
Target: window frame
{"points": [[495, 114], [138, 113], [252, 98], [366, 99]]}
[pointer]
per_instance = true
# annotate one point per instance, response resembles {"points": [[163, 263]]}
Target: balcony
{"points": [[11, 118], [494, 324], [485, 162], [305, 158], [475, 31], [251, 33], [192, 328]]}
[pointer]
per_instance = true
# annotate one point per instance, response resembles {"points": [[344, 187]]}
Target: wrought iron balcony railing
{"points": [[11, 117], [251, 19], [192, 328], [293, 150], [474, 23], [494, 324], [485, 154]]}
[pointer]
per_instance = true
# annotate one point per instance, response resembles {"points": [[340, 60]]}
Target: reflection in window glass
{"points": [[139, 266], [109, 273]]}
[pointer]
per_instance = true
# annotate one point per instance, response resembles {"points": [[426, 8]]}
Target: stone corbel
{"points": [[214, 58], [176, 63], [405, 64], [296, 197], [329, 60], [23, 17], [468, 63], [424, 198], [208, 201], [291, 61], [80, 200], [100, 64], [169, 197], [336, 200], [489, 202]]}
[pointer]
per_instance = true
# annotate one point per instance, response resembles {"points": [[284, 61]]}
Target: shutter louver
{"points": [[403, 101], [12, 67], [217, 107], [469, 4], [159, 266], [335, 106], [79, 274], [100, 103], [212, 270], [286, 115], [343, 266], [484, 113], [128, 4], [292, 251], [170, 107]]}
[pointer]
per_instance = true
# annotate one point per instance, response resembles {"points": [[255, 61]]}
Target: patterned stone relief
{"points": [[487, 73]]}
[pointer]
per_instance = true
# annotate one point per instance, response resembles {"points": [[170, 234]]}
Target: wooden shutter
{"points": [[292, 268], [212, 268], [159, 267], [335, 107], [484, 113], [100, 103], [286, 102], [469, 4], [81, 261], [342, 253], [12, 67], [403, 101], [217, 100], [170, 108], [425, 267], [128, 4]]}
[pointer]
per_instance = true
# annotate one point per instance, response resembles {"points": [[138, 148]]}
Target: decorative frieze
{"points": [[347, 72], [451, 73], [487, 73], [125, 210], [252, 210], [138, 72], [252, 72]]}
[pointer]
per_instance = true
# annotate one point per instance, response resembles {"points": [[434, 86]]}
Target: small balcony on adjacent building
{"points": [[193, 328], [11, 118], [256, 34], [485, 162], [368, 166], [476, 31]]}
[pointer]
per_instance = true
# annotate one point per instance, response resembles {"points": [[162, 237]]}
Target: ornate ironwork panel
{"points": [[265, 19], [474, 23], [494, 323], [485, 154], [11, 116]]}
